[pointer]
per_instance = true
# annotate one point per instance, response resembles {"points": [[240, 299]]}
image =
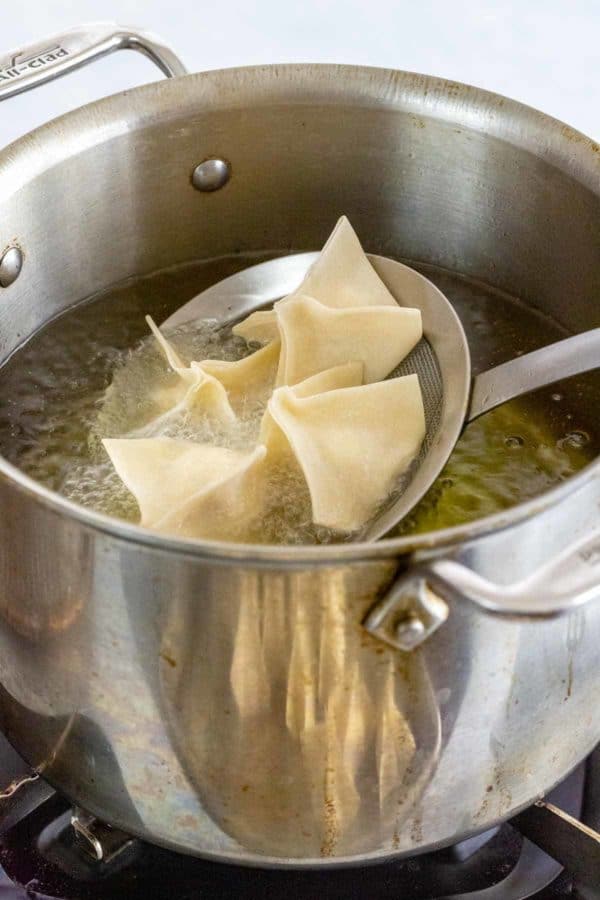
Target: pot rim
{"points": [[300, 84]]}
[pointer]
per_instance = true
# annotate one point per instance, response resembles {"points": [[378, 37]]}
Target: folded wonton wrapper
{"points": [[259, 327], [352, 444], [189, 489], [249, 379], [342, 311], [200, 490], [341, 277], [315, 337], [196, 387], [273, 438], [221, 387]]}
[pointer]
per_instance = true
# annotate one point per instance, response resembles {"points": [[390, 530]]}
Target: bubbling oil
{"points": [[128, 408], [91, 374]]}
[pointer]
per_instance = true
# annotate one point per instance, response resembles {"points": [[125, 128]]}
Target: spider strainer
{"points": [[451, 398]]}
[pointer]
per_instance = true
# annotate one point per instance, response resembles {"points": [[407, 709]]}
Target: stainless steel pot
{"points": [[296, 705]]}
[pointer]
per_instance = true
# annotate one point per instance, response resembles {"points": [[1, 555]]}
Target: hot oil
{"points": [[524, 447], [92, 372], [132, 406], [508, 456]]}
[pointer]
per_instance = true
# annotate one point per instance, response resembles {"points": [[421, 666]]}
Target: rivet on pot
{"points": [[211, 175], [410, 632], [11, 263]]}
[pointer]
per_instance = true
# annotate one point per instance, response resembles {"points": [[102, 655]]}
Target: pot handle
{"points": [[416, 604], [28, 67]]}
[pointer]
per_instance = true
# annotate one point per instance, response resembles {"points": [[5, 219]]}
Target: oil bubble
{"points": [[574, 440], [514, 441]]}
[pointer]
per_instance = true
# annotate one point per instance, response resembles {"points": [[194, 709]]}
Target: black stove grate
{"points": [[41, 857]]}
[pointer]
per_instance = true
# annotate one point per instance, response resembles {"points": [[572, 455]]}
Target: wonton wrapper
{"points": [[273, 438], [188, 489], [250, 378], [206, 395], [352, 444], [342, 276], [222, 384], [315, 337], [197, 387], [259, 327]]}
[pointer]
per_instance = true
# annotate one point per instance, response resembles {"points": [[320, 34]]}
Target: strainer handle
{"points": [[543, 367], [27, 67]]}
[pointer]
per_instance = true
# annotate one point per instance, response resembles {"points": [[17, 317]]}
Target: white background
{"points": [[543, 52]]}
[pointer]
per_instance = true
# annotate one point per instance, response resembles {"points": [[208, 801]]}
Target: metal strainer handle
{"points": [[519, 376]]}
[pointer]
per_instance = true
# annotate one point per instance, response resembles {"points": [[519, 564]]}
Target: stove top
{"points": [[43, 856]]}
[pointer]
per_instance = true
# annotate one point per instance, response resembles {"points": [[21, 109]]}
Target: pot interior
{"points": [[487, 198]]}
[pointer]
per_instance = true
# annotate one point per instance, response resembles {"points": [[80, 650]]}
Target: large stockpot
{"points": [[296, 705]]}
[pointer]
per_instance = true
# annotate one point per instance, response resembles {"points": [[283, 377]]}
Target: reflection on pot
{"points": [[41, 596], [303, 735]]}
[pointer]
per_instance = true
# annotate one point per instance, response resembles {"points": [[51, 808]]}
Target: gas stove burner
{"points": [[49, 850]]}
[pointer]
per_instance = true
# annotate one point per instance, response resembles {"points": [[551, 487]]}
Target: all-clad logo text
{"points": [[18, 66]]}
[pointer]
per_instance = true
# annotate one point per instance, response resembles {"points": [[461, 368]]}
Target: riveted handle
{"points": [[416, 604], [27, 67], [565, 582]]}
